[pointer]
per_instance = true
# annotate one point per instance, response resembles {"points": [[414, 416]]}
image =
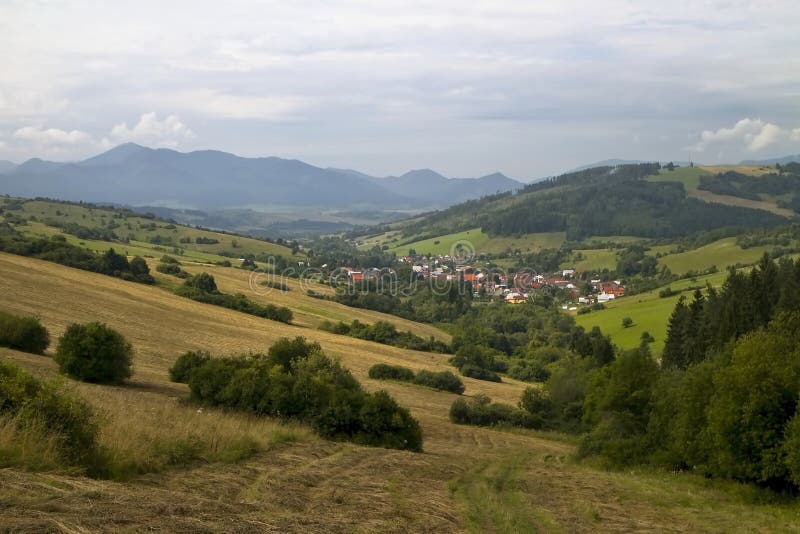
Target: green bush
{"points": [[384, 371], [94, 353], [479, 373], [23, 333], [481, 411], [45, 408], [295, 380], [442, 380], [203, 288], [186, 363]]}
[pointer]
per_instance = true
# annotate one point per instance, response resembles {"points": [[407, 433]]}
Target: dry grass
{"points": [[708, 196], [747, 170], [467, 479]]}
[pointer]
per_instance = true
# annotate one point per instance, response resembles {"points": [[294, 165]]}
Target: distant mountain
{"points": [[6, 166], [209, 179], [783, 161], [425, 184]]}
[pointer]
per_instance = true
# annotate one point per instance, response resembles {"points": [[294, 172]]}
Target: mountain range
{"points": [[210, 180]]}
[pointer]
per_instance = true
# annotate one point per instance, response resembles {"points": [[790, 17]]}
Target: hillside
{"points": [[468, 478], [163, 177], [602, 201]]}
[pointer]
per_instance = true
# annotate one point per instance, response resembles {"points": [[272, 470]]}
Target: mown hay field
{"points": [[468, 479]]}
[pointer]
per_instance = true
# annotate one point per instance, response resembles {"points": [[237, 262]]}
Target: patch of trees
{"points": [[724, 401], [640, 208], [425, 301], [525, 341], [441, 380], [171, 266], [58, 250], [785, 184], [26, 334], [203, 288], [200, 240], [83, 232], [745, 302], [295, 380], [386, 333]]}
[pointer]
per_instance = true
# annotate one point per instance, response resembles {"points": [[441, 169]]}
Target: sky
{"points": [[527, 88]]}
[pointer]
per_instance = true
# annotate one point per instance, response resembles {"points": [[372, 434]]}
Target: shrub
{"points": [[528, 370], [23, 333], [186, 363], [443, 380], [479, 373], [94, 353], [44, 408], [295, 380], [384, 371], [481, 411]]}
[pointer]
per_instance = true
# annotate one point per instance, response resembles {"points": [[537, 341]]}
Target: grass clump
{"points": [[42, 425], [23, 333]]}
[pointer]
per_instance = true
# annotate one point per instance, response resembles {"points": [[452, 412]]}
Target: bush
{"points": [[442, 380], [479, 373], [186, 363], [44, 408], [94, 353], [23, 333], [481, 411], [384, 371], [295, 380]]}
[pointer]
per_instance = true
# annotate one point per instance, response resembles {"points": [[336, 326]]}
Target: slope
{"points": [[468, 479]]}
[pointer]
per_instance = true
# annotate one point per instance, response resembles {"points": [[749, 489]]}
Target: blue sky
{"points": [[465, 88]]}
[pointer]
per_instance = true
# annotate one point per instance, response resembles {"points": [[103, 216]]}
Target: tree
{"points": [[94, 353], [627, 322], [755, 398]]}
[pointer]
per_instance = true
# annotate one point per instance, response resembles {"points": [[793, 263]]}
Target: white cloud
{"points": [[768, 136], [52, 137], [795, 136], [752, 134], [152, 131]]}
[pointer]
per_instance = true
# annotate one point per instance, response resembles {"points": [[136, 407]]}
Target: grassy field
{"points": [[648, 311], [592, 260], [722, 253], [468, 479], [481, 242], [688, 176]]}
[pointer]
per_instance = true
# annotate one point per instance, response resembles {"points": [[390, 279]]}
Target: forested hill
{"points": [[602, 201]]}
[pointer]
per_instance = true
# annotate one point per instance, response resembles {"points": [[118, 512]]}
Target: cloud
{"points": [[752, 134], [152, 131], [52, 137], [795, 135]]}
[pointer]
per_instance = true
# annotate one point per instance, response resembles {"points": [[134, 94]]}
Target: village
{"points": [[575, 289]]}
